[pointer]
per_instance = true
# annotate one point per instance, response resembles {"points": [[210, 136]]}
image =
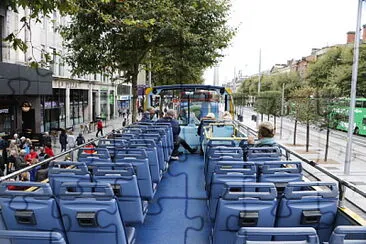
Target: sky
{"points": [[282, 30]]}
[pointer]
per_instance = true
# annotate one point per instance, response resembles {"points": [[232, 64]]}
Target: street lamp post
{"points": [[282, 107], [259, 84], [347, 162]]}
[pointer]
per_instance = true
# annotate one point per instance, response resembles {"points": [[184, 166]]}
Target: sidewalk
{"points": [[110, 125]]}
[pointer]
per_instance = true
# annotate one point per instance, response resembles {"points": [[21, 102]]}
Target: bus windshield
{"points": [[191, 102]]}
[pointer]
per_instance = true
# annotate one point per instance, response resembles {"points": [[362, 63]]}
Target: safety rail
{"points": [[341, 183], [48, 160]]}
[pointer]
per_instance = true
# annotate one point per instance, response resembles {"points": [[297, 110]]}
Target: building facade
{"points": [[57, 98]]}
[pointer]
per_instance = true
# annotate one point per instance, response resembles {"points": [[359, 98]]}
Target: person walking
{"points": [[99, 127], [63, 140], [80, 139]]}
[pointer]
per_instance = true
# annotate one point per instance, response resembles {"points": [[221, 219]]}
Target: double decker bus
{"points": [[340, 116]]}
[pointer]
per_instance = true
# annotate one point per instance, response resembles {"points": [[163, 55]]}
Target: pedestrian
{"points": [[124, 123], [99, 127], [70, 140], [46, 139], [49, 151], [80, 139], [63, 140]]}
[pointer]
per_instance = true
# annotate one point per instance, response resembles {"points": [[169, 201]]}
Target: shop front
{"points": [[21, 90]]}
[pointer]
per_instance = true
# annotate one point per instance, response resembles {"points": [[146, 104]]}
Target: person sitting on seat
{"points": [[226, 116], [170, 118], [266, 133], [209, 116]]}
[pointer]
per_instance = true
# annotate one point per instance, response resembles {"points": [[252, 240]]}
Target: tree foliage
{"points": [[179, 38]]}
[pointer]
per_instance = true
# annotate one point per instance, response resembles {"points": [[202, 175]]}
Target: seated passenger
{"points": [[209, 116], [226, 116], [266, 133], [170, 118]]}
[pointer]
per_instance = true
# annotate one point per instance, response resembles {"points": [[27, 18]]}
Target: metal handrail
{"points": [[342, 183], [28, 168]]}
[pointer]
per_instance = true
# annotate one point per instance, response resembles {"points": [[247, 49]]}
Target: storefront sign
{"points": [[4, 110]]}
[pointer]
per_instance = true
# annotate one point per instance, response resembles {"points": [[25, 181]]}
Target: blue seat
{"points": [[151, 150], [263, 234], [168, 128], [216, 152], [132, 130], [244, 209], [280, 173], [142, 169], [156, 137], [29, 210], [28, 237], [125, 188], [348, 235], [58, 175], [222, 130], [90, 214], [223, 179], [98, 154], [262, 153], [208, 145], [213, 161], [112, 145], [310, 204], [164, 139]]}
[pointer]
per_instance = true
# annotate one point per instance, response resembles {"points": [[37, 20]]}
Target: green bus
{"points": [[340, 116]]}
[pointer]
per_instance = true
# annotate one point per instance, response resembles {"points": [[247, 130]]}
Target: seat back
{"points": [[348, 235], [310, 204], [159, 145], [58, 174], [88, 155], [126, 191], [26, 237], [280, 173], [112, 145], [142, 169], [264, 235], [238, 209], [29, 210], [222, 179], [90, 213], [213, 161], [262, 153], [216, 152], [152, 154]]}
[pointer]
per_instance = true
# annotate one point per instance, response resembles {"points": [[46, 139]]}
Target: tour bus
{"points": [[127, 188], [340, 116]]}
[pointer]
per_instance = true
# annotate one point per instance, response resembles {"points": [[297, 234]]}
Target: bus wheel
{"points": [[356, 131]]}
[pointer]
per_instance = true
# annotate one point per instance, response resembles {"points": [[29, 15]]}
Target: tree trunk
{"points": [[327, 145], [267, 117], [261, 117], [274, 121], [307, 135], [134, 91], [295, 128]]}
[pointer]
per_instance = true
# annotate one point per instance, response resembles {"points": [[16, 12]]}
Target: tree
{"points": [[269, 102], [304, 109], [115, 36]]}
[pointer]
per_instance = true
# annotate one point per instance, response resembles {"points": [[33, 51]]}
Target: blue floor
{"points": [[178, 212]]}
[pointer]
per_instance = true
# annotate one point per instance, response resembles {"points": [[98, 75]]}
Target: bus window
{"points": [[359, 104]]}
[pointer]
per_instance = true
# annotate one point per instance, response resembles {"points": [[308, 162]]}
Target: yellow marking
{"points": [[355, 217]]}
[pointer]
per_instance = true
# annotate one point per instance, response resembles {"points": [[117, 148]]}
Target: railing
{"points": [[343, 184], [28, 168]]}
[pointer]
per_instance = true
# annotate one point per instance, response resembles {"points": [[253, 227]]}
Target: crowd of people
{"points": [[18, 153]]}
